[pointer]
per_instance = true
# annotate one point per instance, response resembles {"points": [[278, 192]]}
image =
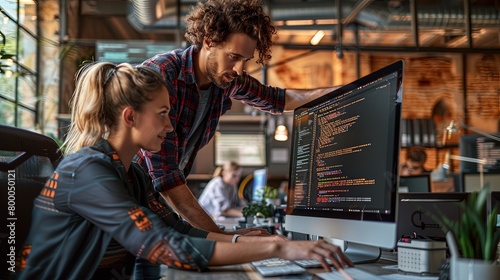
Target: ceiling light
{"points": [[281, 133], [317, 37]]}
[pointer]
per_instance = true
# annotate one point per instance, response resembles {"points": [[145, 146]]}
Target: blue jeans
{"points": [[144, 270]]}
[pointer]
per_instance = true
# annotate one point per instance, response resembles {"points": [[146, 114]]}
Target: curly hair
{"points": [[417, 154], [216, 19]]}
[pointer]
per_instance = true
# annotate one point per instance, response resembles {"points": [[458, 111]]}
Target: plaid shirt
{"points": [[177, 67]]}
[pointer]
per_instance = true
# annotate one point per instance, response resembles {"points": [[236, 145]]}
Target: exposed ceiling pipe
{"points": [[441, 17], [143, 11], [157, 15], [355, 11]]}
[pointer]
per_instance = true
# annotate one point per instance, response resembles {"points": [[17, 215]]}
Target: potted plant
{"points": [[473, 239], [271, 195], [257, 212]]}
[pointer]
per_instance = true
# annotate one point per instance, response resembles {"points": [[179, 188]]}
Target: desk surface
{"points": [[228, 222], [246, 272]]}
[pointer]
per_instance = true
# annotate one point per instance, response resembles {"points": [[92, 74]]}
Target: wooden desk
{"points": [[228, 222], [246, 272], [232, 224]]}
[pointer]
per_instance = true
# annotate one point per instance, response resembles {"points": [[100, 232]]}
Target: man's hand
{"points": [[251, 232], [182, 200], [260, 238]]}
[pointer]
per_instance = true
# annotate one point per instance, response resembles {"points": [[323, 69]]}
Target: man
{"points": [[414, 164], [203, 79]]}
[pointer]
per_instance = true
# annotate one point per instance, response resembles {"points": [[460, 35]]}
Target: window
{"points": [[245, 148], [19, 64]]}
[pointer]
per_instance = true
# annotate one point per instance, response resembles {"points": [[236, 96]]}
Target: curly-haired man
{"points": [[202, 80]]}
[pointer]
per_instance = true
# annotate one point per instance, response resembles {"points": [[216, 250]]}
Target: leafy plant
{"points": [[259, 209], [270, 192], [475, 233]]}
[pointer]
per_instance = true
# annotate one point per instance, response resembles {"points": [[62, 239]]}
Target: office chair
{"points": [[27, 159], [245, 188]]}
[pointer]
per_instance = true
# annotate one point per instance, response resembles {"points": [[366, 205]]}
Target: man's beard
{"points": [[212, 67]]}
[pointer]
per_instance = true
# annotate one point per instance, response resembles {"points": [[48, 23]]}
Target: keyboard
{"points": [[353, 272], [311, 263], [277, 267]]}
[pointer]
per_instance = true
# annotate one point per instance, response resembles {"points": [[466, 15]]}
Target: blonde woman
{"points": [[220, 196], [93, 217]]}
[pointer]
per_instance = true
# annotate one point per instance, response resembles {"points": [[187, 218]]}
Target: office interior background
{"points": [[451, 50]]}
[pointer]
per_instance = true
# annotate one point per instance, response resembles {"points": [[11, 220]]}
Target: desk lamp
{"points": [[449, 130], [452, 128]]}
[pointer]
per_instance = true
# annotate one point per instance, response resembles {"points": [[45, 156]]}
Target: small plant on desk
{"points": [[270, 192], [473, 239], [475, 233], [259, 209], [271, 195]]}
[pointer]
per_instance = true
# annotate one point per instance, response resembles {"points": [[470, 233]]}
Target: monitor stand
{"points": [[356, 252], [360, 253]]}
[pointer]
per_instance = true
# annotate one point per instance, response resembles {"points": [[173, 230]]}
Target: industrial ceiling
{"points": [[423, 25]]}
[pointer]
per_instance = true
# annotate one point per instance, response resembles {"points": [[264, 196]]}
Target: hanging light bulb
{"points": [[281, 132]]}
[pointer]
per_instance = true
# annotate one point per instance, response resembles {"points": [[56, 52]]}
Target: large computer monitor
{"points": [[344, 168]]}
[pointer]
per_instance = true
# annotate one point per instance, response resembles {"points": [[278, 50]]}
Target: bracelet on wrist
{"points": [[235, 238]]}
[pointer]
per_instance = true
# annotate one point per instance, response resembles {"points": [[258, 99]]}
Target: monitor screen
{"points": [[259, 182], [476, 146], [344, 165], [415, 183]]}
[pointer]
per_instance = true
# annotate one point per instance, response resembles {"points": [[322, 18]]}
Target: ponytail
{"points": [[102, 90]]}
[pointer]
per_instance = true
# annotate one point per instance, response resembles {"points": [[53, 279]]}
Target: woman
{"points": [[92, 218], [220, 196]]}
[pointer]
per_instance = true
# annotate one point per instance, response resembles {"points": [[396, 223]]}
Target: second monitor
{"points": [[259, 183], [415, 183]]}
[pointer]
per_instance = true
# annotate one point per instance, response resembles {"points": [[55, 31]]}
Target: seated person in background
{"points": [[220, 196], [93, 216], [414, 163]]}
